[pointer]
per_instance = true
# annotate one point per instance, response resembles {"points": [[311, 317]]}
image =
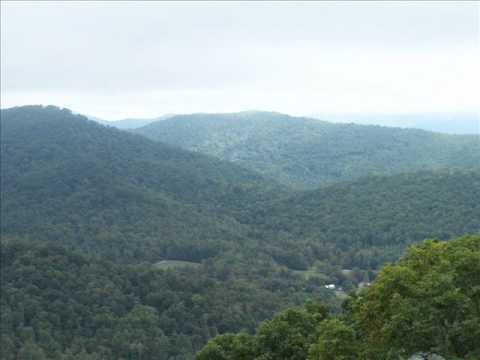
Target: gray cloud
{"points": [[297, 57]]}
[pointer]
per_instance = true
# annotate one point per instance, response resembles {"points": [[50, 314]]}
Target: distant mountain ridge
{"points": [[306, 153], [129, 123], [88, 210], [455, 123], [66, 177]]}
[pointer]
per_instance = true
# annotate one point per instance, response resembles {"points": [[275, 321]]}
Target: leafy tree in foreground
{"points": [[427, 303], [337, 341], [289, 334], [229, 347]]}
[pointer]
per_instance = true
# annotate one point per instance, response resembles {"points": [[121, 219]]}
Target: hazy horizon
{"points": [[314, 115], [140, 60], [443, 122]]}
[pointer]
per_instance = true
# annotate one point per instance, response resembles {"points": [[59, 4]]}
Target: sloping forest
{"points": [[305, 153], [426, 304], [117, 246]]}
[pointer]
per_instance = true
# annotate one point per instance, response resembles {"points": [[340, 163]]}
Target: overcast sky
{"points": [[144, 59]]}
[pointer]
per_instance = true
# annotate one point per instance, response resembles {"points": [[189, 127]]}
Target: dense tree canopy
{"points": [[71, 180], [381, 212], [118, 195], [116, 246], [427, 303], [307, 153], [58, 302]]}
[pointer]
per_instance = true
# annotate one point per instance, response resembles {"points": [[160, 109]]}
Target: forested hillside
{"points": [[119, 195], [117, 246], [68, 179], [144, 215], [427, 304], [380, 212], [95, 207], [60, 304], [305, 153]]}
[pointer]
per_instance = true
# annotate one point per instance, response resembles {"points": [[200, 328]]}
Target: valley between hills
{"points": [[148, 243]]}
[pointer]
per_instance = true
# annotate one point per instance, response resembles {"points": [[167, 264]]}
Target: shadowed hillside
{"points": [[69, 179], [171, 247]]}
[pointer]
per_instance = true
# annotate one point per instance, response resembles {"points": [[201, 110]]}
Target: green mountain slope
{"points": [[117, 199], [306, 153], [59, 304], [426, 306], [173, 247], [378, 212], [67, 178]]}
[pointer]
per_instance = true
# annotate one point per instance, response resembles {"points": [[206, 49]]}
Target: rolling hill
{"points": [[88, 215], [306, 153], [420, 197], [67, 178], [380, 212], [117, 194], [172, 247]]}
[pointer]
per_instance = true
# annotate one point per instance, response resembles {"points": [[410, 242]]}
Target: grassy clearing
{"points": [[175, 264]]}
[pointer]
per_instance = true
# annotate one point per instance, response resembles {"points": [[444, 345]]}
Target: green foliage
{"points": [[71, 180], [117, 195], [337, 341], [307, 153], [289, 334], [30, 351], [115, 246], [370, 221], [427, 303], [61, 303], [229, 347]]}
